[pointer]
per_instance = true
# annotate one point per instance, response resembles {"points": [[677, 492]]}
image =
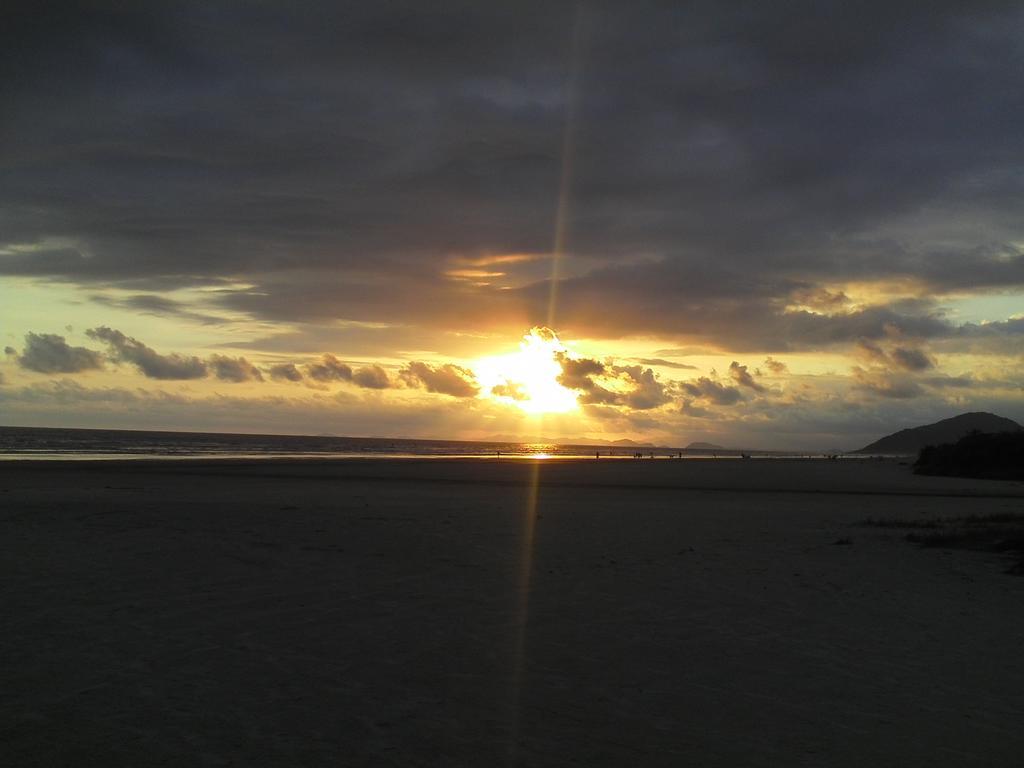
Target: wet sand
{"points": [[485, 612]]}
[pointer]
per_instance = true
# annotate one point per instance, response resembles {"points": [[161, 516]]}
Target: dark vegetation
{"points": [[1001, 533], [995, 456]]}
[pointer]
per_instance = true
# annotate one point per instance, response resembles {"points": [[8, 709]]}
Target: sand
{"points": [[422, 613]]}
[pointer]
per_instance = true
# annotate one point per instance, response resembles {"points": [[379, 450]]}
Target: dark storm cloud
{"points": [[730, 159], [741, 312], [447, 379], [50, 353], [150, 363]]}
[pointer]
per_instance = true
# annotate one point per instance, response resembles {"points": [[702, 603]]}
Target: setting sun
{"points": [[528, 378]]}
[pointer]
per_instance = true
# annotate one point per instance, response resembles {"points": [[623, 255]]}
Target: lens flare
{"points": [[528, 378]]}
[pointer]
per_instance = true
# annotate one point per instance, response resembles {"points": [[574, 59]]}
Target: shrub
{"points": [[996, 456]]}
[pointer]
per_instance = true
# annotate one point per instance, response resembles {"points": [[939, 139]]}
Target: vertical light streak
{"points": [[527, 546], [572, 98], [522, 611]]}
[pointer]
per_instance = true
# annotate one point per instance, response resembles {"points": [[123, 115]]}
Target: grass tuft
{"points": [[1000, 532], [872, 522]]}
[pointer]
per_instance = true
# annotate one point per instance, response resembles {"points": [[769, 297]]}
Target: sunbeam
{"points": [[558, 252]]}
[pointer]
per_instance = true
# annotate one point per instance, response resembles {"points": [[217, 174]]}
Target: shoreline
{"points": [[814, 476]]}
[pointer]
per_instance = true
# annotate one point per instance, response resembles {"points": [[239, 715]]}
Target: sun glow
{"points": [[528, 378]]}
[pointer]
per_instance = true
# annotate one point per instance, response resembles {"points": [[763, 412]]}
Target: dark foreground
{"points": [[446, 613]]}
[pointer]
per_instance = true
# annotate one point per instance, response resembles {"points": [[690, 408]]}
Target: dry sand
{"points": [[417, 613]]}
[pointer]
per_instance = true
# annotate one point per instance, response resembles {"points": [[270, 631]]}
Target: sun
{"points": [[528, 378]]}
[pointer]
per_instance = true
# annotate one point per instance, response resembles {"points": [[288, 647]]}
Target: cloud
{"points": [[632, 386], [850, 417], [902, 358], [155, 304], [911, 359], [690, 410], [577, 373], [149, 362], [236, 369], [598, 395], [371, 377], [50, 353], [645, 391], [775, 366], [304, 411], [663, 363], [711, 391], [285, 372], [741, 376], [447, 379], [869, 193], [871, 352], [820, 299], [701, 212], [329, 368], [1011, 327], [951, 382], [510, 389], [886, 384]]}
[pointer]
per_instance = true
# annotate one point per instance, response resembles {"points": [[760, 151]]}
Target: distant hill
{"points": [[704, 447], [911, 441]]}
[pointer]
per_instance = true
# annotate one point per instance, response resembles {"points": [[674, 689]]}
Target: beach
{"points": [[470, 612]]}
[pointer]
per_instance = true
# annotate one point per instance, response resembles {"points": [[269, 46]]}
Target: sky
{"points": [[764, 225]]}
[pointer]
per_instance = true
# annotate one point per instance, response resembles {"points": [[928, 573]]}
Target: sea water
{"points": [[50, 443]]}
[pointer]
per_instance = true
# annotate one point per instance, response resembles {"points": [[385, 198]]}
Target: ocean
{"points": [[50, 443]]}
